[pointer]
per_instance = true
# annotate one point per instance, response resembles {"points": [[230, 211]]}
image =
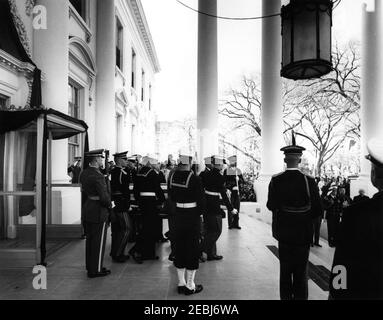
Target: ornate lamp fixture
{"points": [[306, 39]]}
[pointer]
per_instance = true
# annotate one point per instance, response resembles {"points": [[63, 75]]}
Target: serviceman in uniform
{"points": [[357, 272], [233, 180], [75, 169], [215, 191], [186, 191], [121, 222], [148, 192], [96, 212], [294, 200]]}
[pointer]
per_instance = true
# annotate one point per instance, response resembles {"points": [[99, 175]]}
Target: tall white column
{"points": [[371, 90], [207, 110], [106, 64], [50, 53], [272, 111]]}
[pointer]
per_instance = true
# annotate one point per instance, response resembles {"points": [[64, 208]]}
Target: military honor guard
{"points": [[186, 191], [75, 169], [233, 180], [96, 211], [294, 201], [357, 272], [150, 197], [216, 193], [121, 222]]}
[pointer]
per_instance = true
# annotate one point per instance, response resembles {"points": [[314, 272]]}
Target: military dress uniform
{"points": [[149, 195], [294, 201], [233, 178], [360, 243], [96, 215], [215, 192], [121, 222]]}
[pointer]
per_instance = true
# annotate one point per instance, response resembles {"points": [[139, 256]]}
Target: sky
{"points": [[174, 30]]}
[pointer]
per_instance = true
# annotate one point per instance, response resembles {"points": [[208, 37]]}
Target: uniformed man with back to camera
{"points": [[216, 193], [150, 197], [121, 222], [96, 212], [357, 272], [294, 201], [233, 181], [186, 191]]}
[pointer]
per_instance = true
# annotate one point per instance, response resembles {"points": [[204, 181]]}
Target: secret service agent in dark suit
{"points": [[294, 200], [148, 192], [357, 272], [95, 213], [186, 191], [121, 222], [215, 191]]}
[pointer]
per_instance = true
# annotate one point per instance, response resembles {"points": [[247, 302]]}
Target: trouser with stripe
{"points": [[233, 219], [95, 246], [121, 229]]}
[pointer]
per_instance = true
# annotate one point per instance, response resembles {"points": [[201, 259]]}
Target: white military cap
{"points": [[145, 160], [375, 151]]}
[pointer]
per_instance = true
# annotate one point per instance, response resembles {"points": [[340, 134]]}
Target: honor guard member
{"points": [[215, 191], [357, 272], [121, 224], [294, 200], [75, 169], [186, 190], [148, 192], [233, 180], [96, 211], [163, 214]]}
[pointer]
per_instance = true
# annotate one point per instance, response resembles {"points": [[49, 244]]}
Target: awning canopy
{"points": [[60, 125]]}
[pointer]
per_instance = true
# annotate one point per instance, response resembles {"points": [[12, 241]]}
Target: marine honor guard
{"points": [[215, 192], [294, 201], [186, 191], [121, 223], [96, 211], [233, 180], [150, 196], [358, 258]]}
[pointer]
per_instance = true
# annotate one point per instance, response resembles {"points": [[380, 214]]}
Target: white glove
{"points": [[235, 211]]}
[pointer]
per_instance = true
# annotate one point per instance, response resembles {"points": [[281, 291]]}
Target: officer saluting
{"points": [[121, 224], [294, 200], [185, 190], [215, 191], [233, 179], [360, 243], [96, 213]]}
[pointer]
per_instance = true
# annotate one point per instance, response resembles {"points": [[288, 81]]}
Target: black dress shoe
{"points": [[198, 289], [151, 258], [107, 271], [119, 259], [202, 259], [238, 227], [214, 258], [98, 274], [181, 289]]}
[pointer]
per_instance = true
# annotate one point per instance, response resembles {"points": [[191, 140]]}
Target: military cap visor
{"points": [[121, 155], [77, 158], [95, 153], [297, 150], [375, 150], [232, 158]]}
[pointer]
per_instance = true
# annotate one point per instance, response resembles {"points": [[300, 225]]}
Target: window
{"points": [[143, 85], [119, 44], [150, 96], [3, 102], [73, 111], [80, 6], [133, 69]]}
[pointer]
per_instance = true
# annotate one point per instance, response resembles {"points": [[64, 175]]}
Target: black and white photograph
{"points": [[191, 155]]}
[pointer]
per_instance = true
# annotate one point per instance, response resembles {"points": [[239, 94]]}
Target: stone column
{"points": [[207, 111], [272, 111], [50, 53], [371, 91], [106, 66]]}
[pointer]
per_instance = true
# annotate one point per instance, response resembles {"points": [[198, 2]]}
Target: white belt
{"points": [[187, 205], [147, 194], [235, 188], [223, 207], [217, 194]]}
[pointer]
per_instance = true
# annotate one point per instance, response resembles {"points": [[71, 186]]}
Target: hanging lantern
{"points": [[306, 39]]}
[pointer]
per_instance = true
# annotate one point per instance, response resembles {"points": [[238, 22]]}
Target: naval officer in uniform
{"points": [[294, 201], [96, 211], [358, 259], [186, 191], [121, 222]]}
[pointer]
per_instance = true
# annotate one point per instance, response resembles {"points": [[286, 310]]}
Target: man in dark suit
{"points": [[216, 201], [361, 196], [359, 253], [96, 212], [75, 169], [294, 200]]}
